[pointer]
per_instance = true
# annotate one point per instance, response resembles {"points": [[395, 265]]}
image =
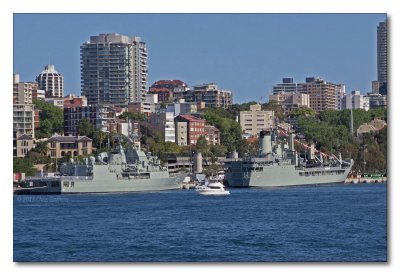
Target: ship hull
{"points": [[285, 175], [105, 186], [71, 185]]}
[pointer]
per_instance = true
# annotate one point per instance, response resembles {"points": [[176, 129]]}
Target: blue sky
{"points": [[244, 53]]}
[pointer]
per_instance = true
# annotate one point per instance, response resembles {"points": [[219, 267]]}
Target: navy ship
{"points": [[123, 170], [278, 164]]}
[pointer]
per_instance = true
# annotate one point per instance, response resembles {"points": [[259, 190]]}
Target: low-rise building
{"points": [[75, 101], [161, 124], [373, 126], [181, 133], [73, 146], [166, 89], [195, 128], [178, 108], [22, 145], [291, 101], [256, 120], [211, 95], [58, 102], [379, 124], [212, 135]]}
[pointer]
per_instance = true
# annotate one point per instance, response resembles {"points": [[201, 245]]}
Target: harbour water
{"points": [[338, 223]]}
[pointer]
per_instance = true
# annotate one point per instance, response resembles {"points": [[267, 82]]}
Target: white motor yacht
{"points": [[214, 188]]}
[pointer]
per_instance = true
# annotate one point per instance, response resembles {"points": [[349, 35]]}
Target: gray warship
{"points": [[278, 164], [123, 170]]}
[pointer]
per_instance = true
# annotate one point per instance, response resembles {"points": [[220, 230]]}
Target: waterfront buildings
{"points": [[161, 124], [210, 94], [23, 91], [323, 95], [373, 126], [355, 100], [377, 101], [23, 119], [291, 100], [73, 146], [114, 69], [165, 89], [287, 86], [212, 135], [189, 128], [99, 116], [180, 107], [315, 93], [75, 101], [55, 101], [51, 81], [22, 145], [381, 34], [256, 120]]}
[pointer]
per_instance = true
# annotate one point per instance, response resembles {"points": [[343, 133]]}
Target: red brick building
{"points": [[212, 134], [75, 101], [165, 89], [195, 127]]}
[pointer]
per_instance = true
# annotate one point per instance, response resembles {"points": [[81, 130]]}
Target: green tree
{"points": [[99, 138], [23, 165], [219, 150], [273, 105], [302, 111], [41, 148], [51, 119], [171, 147], [85, 128], [133, 116], [202, 145]]}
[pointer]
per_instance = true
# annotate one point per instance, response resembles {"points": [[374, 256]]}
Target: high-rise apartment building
{"points": [[381, 35], [51, 81], [323, 95], [114, 69]]}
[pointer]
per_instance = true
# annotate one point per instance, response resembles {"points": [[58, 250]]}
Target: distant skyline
{"points": [[244, 53]]}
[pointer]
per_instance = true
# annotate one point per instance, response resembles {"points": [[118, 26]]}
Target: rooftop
{"points": [[191, 118], [68, 139]]}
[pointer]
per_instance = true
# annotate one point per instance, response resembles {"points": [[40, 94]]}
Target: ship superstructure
{"points": [[279, 164], [123, 170]]}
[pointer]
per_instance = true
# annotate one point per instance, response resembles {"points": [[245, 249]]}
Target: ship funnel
{"points": [[198, 163], [291, 142], [265, 142]]}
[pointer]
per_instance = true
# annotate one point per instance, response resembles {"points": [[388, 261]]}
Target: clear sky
{"points": [[244, 53]]}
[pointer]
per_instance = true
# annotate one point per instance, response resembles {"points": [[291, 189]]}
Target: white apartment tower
{"points": [[51, 82], [114, 69]]}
